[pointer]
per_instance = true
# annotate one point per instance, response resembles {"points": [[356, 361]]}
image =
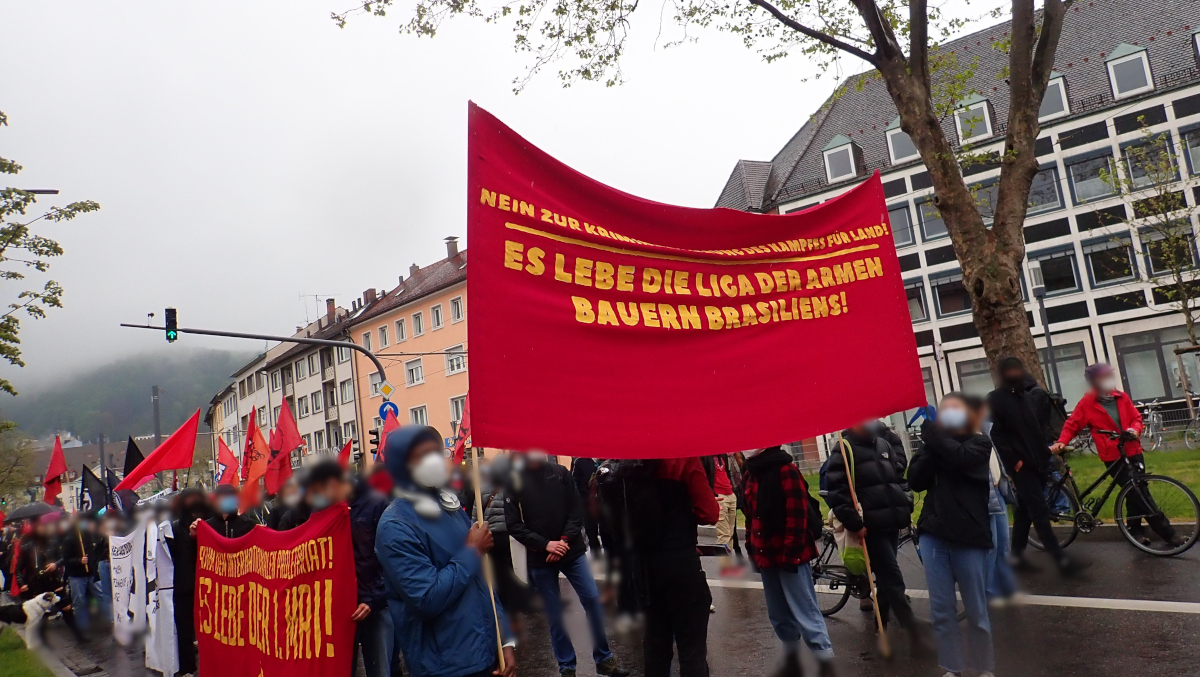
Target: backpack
{"points": [[1058, 413]]}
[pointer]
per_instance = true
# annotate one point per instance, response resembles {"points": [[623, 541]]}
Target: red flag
{"points": [[254, 464], [175, 453], [464, 431], [344, 454], [54, 471], [389, 424], [289, 434], [228, 464], [285, 438]]}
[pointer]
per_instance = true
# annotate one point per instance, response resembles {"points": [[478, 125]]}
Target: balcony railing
{"points": [[328, 374], [288, 389], [331, 413]]}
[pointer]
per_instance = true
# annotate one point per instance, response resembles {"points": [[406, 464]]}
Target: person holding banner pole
{"points": [[431, 555]]}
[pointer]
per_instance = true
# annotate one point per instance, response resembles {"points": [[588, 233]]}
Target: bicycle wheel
{"points": [[1153, 431], [1191, 436], [1062, 519], [1170, 510], [830, 577]]}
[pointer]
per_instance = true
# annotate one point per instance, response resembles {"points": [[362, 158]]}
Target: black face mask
{"points": [[1014, 380]]}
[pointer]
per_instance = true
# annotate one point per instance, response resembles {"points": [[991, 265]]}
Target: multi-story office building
{"points": [[1121, 64]]}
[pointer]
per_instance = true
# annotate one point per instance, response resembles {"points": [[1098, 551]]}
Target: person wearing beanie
{"points": [[1106, 408], [431, 556]]}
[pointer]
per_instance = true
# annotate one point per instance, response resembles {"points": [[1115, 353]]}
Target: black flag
{"points": [[95, 489], [133, 457]]}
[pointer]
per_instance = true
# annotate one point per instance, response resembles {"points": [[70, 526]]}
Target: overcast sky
{"points": [[249, 153]]}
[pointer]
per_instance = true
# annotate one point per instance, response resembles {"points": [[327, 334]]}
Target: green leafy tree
{"points": [[16, 467], [901, 41], [22, 249]]}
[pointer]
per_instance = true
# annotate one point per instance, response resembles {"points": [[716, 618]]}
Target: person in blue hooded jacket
{"points": [[431, 554]]}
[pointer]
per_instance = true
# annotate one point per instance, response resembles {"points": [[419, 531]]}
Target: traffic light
{"points": [[374, 435], [172, 326]]}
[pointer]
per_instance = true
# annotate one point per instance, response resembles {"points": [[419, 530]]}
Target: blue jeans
{"points": [[102, 589], [1001, 582], [945, 565], [579, 575], [376, 635], [81, 589], [793, 610]]}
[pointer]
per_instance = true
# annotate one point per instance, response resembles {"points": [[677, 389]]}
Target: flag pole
{"points": [[885, 649], [476, 479]]}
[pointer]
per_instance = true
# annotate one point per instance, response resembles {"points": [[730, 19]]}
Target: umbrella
{"points": [[31, 511]]}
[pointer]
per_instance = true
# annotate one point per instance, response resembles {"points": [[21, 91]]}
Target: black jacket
{"points": [[292, 517], [953, 471], [879, 465], [73, 553], [1020, 421], [543, 505], [366, 507], [233, 527]]}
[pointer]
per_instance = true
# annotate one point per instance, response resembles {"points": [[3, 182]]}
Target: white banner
{"points": [[126, 554], [161, 651]]}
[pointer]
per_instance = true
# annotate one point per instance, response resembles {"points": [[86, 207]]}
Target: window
{"points": [[318, 438], [900, 145], [275, 381], [839, 158], [262, 416], [975, 377], [457, 312], [915, 291], [1148, 365], [456, 360], [275, 416], [932, 225], [973, 120], [383, 336], [1109, 260], [902, 227], [418, 415], [400, 333], [229, 406], [1166, 254], [1191, 144], [435, 317], [375, 381], [343, 354], [1054, 103], [307, 442], [950, 295], [314, 364], [414, 373], [1058, 271], [348, 430], [1069, 360], [316, 401], [302, 409], [418, 323], [347, 388], [1128, 71], [335, 438], [1091, 178], [377, 423], [330, 398], [298, 370], [366, 342], [259, 380], [1044, 195], [986, 195], [458, 406], [1150, 163]]}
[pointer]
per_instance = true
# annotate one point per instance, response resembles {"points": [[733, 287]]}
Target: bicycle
{"points": [[1152, 422], [1153, 498]]}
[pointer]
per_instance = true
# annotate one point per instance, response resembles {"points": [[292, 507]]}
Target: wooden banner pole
{"points": [[477, 480]]}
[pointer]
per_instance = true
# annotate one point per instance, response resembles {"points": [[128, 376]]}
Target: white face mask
{"points": [[751, 453], [430, 471], [537, 456], [952, 419], [291, 500], [1107, 385]]}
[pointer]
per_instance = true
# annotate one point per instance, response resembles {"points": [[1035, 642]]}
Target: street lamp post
{"points": [[1039, 293]]}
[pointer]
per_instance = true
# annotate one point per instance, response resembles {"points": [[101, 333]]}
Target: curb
{"points": [[1105, 533], [52, 663]]}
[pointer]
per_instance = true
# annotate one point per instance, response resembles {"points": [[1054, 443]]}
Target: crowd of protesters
{"points": [[424, 607]]}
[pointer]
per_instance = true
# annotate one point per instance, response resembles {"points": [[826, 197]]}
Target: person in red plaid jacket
{"points": [[780, 547]]}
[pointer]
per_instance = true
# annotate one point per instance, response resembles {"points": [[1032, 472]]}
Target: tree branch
{"points": [[814, 34], [1053, 14], [886, 46], [918, 48]]}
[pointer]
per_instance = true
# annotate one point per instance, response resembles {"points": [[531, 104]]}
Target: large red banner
{"points": [[277, 603], [607, 325]]}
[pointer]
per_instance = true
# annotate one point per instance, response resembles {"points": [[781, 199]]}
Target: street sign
{"points": [[386, 389], [386, 407]]}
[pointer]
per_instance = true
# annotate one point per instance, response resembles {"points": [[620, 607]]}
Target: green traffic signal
{"points": [[172, 326]]}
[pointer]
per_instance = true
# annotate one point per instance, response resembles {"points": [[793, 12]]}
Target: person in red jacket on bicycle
{"points": [[1105, 408]]}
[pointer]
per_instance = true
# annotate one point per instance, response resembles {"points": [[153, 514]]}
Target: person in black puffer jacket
{"points": [[882, 492], [955, 530]]}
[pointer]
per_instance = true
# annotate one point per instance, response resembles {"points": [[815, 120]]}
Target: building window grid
{"points": [[414, 372], [1130, 75], [347, 388], [435, 317], [457, 310], [401, 334], [418, 324], [456, 360], [973, 122], [374, 380], [839, 163], [383, 336], [418, 415]]}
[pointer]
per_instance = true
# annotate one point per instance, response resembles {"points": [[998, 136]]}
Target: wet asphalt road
{"points": [[1030, 640]]}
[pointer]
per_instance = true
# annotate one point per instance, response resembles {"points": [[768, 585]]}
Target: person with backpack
{"points": [[782, 527], [1104, 407], [955, 531], [876, 469], [1020, 410]]}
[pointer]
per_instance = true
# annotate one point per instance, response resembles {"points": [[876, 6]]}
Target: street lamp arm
{"points": [[282, 339]]}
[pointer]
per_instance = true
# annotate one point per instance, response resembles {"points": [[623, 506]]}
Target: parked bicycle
{"points": [[1152, 425], [1158, 500]]}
